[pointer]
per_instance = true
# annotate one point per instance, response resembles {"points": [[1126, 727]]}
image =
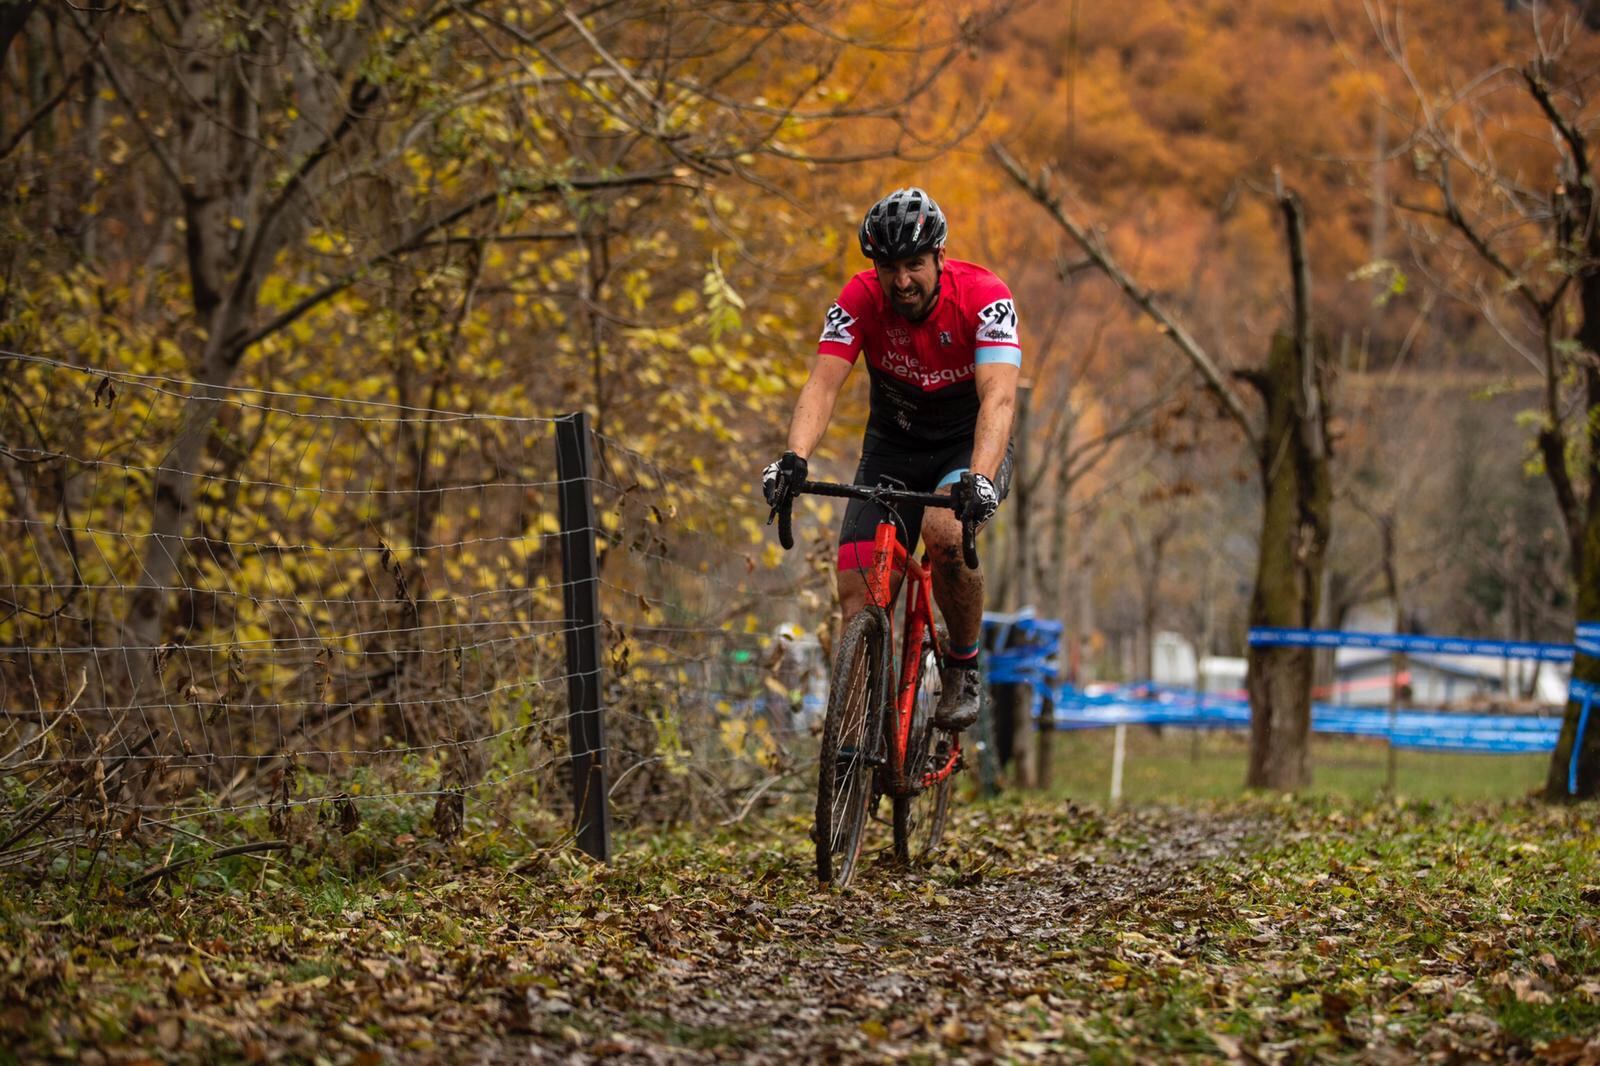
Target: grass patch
{"points": [[1181, 766]]}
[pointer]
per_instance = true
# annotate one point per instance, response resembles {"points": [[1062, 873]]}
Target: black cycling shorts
{"points": [[903, 465]]}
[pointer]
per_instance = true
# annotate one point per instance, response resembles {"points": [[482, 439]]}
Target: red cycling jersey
{"points": [[923, 373]]}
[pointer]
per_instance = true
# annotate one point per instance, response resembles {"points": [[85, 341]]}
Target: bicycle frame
{"points": [[919, 801], [889, 555]]}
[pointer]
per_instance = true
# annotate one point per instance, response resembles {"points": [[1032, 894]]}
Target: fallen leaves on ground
{"points": [[1258, 931]]}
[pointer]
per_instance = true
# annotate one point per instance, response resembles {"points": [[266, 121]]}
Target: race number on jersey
{"points": [[836, 327], [998, 323]]}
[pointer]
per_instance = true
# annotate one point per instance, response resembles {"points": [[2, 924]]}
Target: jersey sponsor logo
{"points": [[907, 366], [836, 326], [945, 338], [998, 322], [897, 335], [928, 379]]}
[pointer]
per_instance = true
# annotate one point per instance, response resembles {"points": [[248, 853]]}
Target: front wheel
{"points": [[920, 816], [851, 743]]}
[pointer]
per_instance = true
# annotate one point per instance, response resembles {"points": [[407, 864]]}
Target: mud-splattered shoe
{"points": [[958, 702]]}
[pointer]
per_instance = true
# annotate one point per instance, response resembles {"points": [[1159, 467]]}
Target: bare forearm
{"points": [[993, 434], [812, 413], [814, 409]]}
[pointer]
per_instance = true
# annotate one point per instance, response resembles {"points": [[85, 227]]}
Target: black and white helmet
{"points": [[905, 223]]}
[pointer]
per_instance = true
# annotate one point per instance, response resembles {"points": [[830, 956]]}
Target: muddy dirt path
{"points": [[975, 958]]}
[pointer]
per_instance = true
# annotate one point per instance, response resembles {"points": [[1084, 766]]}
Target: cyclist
{"points": [[940, 338]]}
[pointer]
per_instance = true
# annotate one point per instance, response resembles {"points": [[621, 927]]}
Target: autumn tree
{"points": [[1293, 451], [490, 207], [1503, 213]]}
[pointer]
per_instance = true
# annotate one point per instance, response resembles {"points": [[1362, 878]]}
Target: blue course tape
{"points": [[1417, 730], [1586, 692], [1589, 639], [1274, 636]]}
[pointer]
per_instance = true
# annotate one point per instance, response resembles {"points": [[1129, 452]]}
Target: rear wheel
{"points": [[851, 741], [919, 817]]}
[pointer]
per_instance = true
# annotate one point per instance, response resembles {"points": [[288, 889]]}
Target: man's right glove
{"points": [[975, 498], [780, 479]]}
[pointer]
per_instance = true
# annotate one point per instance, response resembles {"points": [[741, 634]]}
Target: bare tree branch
{"points": [[419, 237], [1146, 301]]}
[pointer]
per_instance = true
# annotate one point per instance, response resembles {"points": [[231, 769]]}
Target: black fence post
{"points": [[581, 594]]}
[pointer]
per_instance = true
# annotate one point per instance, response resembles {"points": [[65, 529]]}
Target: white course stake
{"points": [[1119, 749]]}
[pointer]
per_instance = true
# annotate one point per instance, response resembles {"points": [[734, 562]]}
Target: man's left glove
{"points": [[780, 479], [975, 498]]}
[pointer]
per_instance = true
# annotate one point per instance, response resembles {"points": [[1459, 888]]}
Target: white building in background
{"points": [[1362, 676], [1172, 662], [1363, 679]]}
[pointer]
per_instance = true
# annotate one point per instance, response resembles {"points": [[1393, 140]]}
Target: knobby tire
{"points": [[851, 741]]}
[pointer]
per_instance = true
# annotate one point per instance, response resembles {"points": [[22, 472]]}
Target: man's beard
{"points": [[916, 309]]}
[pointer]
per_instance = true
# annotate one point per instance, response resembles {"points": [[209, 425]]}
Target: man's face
{"points": [[910, 283]]}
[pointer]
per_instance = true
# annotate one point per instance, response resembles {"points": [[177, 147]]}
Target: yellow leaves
{"points": [[252, 635], [661, 339], [746, 736], [636, 287], [732, 730], [723, 302], [525, 545], [191, 982], [421, 168], [321, 241], [487, 122]]}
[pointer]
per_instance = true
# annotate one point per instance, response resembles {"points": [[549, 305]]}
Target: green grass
{"points": [[1180, 766]]}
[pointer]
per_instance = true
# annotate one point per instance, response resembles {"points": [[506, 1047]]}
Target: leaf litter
{"points": [[1260, 930]]}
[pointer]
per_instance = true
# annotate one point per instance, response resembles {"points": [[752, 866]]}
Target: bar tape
{"points": [[1276, 636]]}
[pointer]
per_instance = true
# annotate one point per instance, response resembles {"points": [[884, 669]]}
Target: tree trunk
{"points": [[1021, 480], [13, 14], [1582, 511], [172, 509], [1298, 490], [1059, 595], [1584, 668]]}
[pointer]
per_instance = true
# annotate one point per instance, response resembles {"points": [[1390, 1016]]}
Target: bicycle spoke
{"points": [[848, 761]]}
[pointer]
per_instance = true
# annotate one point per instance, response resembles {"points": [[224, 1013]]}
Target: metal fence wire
{"points": [[366, 618]]}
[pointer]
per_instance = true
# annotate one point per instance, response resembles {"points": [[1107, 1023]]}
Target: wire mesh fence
{"points": [[711, 710], [364, 614]]}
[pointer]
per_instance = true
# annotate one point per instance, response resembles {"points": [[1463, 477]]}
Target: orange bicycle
{"points": [[879, 740]]}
